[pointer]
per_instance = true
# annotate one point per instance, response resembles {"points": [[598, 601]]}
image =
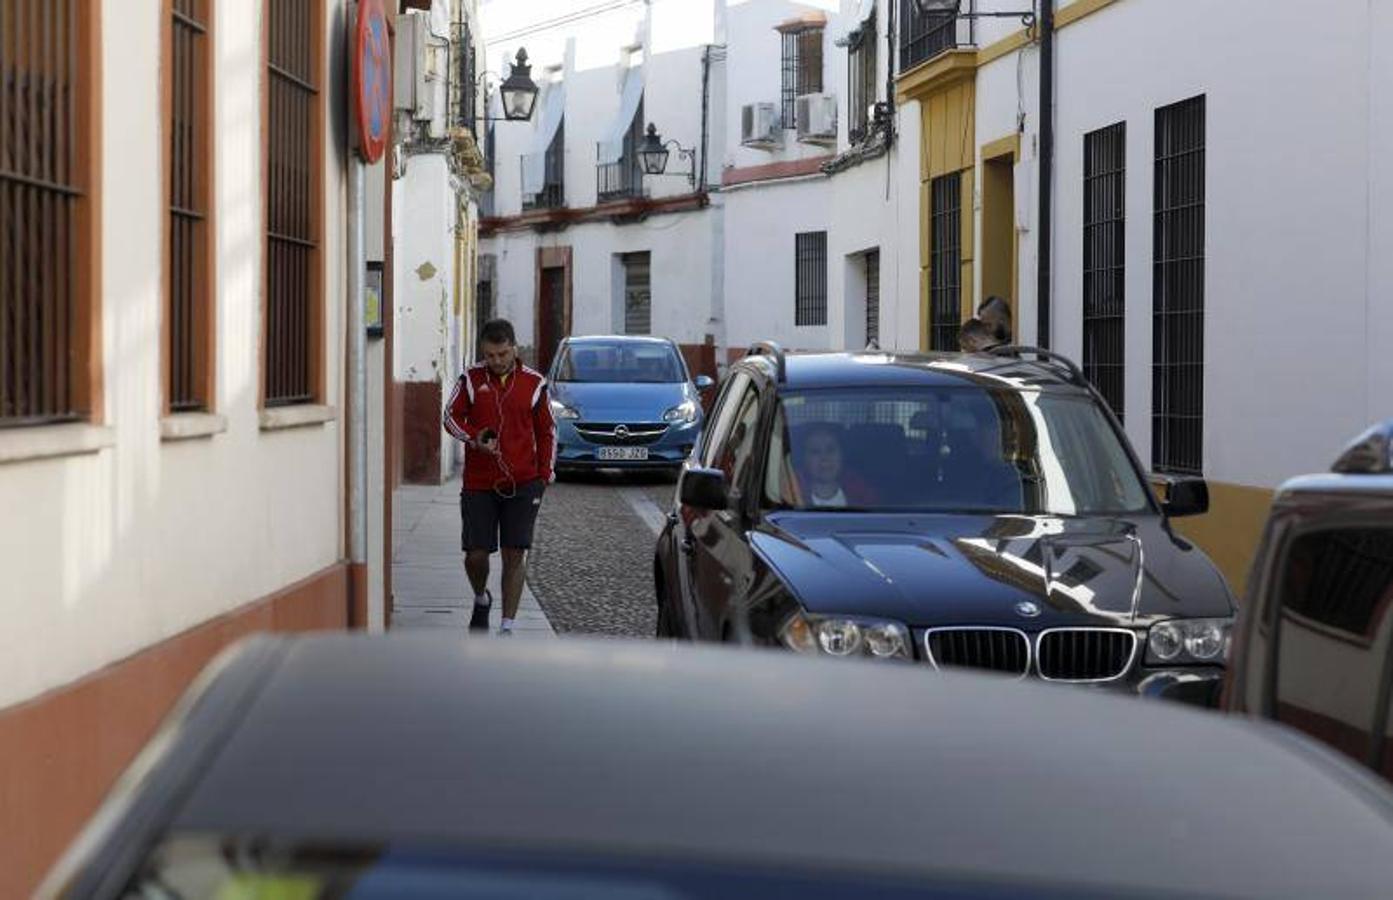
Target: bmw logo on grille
{"points": [[621, 432], [1028, 610]]}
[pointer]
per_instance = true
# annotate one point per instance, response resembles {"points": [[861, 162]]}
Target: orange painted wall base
{"points": [[60, 753]]}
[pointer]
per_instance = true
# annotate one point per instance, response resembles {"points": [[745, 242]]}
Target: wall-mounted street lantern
{"points": [[653, 155], [519, 91], [952, 9]]}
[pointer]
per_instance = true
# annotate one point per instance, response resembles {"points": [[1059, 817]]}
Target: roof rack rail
{"points": [[770, 348], [1075, 373]]}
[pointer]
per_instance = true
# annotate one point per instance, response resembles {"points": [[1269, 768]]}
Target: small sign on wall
{"points": [[372, 299]]}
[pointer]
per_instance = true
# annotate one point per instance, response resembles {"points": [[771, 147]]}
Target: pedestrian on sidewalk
{"points": [[500, 410]]}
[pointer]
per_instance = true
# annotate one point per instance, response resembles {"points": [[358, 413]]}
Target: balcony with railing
{"points": [[544, 175], [622, 180], [924, 36], [618, 175]]}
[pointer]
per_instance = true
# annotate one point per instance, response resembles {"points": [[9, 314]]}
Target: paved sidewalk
{"points": [[428, 579]]}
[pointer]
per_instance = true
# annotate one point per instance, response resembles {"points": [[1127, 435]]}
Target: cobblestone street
{"points": [[590, 570], [592, 564]]}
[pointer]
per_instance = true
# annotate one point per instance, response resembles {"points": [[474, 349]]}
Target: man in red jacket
{"points": [[500, 410]]}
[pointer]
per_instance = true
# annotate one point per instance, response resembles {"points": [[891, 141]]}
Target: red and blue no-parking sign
{"points": [[372, 80]]}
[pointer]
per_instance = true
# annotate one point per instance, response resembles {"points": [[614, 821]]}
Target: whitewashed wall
{"points": [[756, 75], [872, 205], [107, 553], [1297, 270], [761, 221], [681, 249]]}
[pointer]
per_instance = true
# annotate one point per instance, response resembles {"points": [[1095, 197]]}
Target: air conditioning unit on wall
{"points": [[420, 61], [817, 118], [760, 127]]}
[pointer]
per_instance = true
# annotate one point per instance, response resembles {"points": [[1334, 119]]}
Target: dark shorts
{"points": [[489, 520]]}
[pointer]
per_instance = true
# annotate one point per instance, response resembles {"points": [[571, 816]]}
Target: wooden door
{"points": [[551, 315]]}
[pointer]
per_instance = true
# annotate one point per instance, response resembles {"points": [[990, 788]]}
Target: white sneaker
{"points": [[505, 632]]}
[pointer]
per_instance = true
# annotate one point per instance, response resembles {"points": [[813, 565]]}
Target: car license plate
{"points": [[622, 454]]}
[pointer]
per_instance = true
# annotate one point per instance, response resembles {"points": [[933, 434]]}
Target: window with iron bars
{"points": [[294, 215], [1104, 261], [553, 192], [1177, 379], [464, 96], [189, 170], [861, 79], [945, 262], [47, 55], [802, 70], [810, 278], [638, 292], [487, 206], [623, 179], [872, 260], [925, 35]]}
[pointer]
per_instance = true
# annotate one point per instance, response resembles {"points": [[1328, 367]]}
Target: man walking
{"points": [[500, 410]]}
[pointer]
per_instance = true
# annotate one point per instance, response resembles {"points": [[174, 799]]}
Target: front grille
{"points": [[604, 433], [993, 649], [1085, 654]]}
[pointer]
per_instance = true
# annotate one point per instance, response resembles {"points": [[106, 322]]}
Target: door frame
{"points": [[1003, 152], [551, 258]]}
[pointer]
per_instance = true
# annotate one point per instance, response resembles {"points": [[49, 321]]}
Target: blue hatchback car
{"points": [[624, 402]]}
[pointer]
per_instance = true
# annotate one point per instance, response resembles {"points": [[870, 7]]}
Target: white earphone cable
{"points": [[511, 491]]}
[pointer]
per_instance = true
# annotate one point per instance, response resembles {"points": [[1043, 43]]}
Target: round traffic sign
{"points": [[372, 80]]}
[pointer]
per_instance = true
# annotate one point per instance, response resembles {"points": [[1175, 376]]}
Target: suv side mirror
{"points": [[1184, 496], [704, 489], [704, 383]]}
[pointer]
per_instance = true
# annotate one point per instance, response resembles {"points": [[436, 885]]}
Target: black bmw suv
{"points": [[958, 510]]}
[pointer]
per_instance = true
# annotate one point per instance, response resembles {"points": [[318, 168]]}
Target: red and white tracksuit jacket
{"points": [[517, 408]]}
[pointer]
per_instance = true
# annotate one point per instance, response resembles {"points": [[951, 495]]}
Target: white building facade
{"points": [[785, 233], [578, 239], [439, 178], [812, 175], [1220, 226], [173, 384]]}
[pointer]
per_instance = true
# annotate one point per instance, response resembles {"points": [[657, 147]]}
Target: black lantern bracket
{"points": [[654, 152]]}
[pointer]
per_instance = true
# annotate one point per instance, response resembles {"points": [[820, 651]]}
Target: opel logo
{"points": [[1028, 610], [621, 432]]}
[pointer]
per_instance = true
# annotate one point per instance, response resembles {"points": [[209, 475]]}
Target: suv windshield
{"points": [[628, 362], [949, 449]]}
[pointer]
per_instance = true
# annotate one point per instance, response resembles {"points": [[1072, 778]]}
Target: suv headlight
{"points": [[1182, 641], [686, 411], [846, 637], [562, 411]]}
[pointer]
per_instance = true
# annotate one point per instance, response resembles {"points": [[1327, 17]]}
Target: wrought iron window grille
{"points": [[1178, 296], [1104, 262]]}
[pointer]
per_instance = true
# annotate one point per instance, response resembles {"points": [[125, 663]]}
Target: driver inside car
{"points": [[824, 481]]}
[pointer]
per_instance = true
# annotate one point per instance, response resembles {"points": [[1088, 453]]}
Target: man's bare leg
{"points": [[476, 566], [514, 574]]}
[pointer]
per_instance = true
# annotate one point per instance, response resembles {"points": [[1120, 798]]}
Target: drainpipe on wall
{"points": [[357, 398], [705, 116], [1044, 253]]}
